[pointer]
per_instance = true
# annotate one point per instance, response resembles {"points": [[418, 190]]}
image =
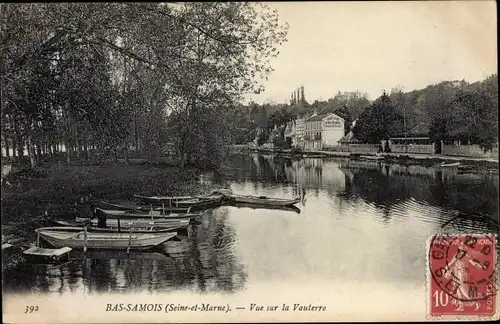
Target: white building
{"points": [[322, 131]]}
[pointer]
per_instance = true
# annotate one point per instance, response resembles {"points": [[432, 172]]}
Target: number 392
{"points": [[31, 309]]}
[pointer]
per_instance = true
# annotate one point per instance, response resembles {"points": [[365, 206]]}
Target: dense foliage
{"points": [[99, 78], [378, 121]]}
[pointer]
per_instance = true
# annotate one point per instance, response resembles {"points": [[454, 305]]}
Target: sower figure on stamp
{"points": [[458, 268]]}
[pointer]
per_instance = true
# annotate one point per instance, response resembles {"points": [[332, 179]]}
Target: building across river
{"points": [[323, 131]]}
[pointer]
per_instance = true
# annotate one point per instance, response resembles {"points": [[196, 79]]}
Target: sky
{"points": [[375, 46]]}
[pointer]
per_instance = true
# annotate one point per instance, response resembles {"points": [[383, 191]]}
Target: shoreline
{"points": [[402, 158]]}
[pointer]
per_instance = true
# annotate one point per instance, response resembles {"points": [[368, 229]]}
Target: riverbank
{"points": [[64, 192], [404, 158]]}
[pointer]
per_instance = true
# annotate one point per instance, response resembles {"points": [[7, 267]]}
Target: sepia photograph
{"points": [[228, 162]]}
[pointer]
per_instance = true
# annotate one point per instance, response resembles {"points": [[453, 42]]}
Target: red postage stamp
{"points": [[462, 280]]}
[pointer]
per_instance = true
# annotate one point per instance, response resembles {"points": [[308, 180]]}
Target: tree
{"points": [[470, 115], [102, 75], [378, 121], [345, 113], [280, 119], [474, 118]]}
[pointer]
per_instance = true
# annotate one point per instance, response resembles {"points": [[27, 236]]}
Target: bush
{"points": [[296, 150], [279, 142]]}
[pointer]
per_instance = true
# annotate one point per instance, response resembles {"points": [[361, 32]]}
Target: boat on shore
{"points": [[262, 200], [143, 224], [78, 237], [193, 202], [157, 215], [166, 209], [146, 223]]}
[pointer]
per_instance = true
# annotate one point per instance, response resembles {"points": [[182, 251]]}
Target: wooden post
{"points": [[129, 239], [119, 227], [37, 239], [85, 239], [163, 207]]}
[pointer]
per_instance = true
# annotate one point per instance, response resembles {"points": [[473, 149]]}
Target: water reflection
{"points": [[359, 221]]}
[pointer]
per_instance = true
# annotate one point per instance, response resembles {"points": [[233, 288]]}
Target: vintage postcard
{"points": [[236, 162]]}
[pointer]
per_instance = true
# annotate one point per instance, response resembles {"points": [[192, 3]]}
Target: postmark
{"points": [[462, 279]]}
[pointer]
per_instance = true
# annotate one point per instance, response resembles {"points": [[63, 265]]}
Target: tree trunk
{"points": [[14, 148], [77, 146], [125, 154], [31, 152], [115, 154], [7, 147], [85, 149], [19, 141], [136, 137], [20, 150], [38, 151], [68, 153]]}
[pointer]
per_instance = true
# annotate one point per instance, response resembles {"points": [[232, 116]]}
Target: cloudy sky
{"points": [[372, 46]]}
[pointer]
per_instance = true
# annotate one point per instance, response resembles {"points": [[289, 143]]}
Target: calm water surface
{"points": [[359, 222]]}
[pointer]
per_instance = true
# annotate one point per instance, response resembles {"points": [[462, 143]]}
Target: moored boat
{"points": [[126, 214], [78, 237], [166, 209], [183, 201], [262, 200], [144, 224], [291, 208]]}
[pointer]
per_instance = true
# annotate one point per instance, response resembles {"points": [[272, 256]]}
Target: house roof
{"points": [[321, 117]]}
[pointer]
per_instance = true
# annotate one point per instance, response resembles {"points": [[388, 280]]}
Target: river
{"points": [[361, 225]]}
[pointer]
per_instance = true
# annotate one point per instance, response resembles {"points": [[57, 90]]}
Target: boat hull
{"points": [[183, 202], [123, 214], [136, 223], [263, 201], [74, 237], [137, 208], [160, 224]]}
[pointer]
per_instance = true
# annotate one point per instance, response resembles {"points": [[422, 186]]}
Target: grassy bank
{"points": [[55, 188]]}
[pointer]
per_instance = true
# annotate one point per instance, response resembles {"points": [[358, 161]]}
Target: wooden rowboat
{"points": [[143, 224], [263, 200], [291, 208], [140, 223], [125, 214], [183, 201], [166, 209], [78, 237]]}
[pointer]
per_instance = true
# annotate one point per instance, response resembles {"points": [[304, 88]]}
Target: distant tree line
{"points": [[447, 111], [99, 78]]}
